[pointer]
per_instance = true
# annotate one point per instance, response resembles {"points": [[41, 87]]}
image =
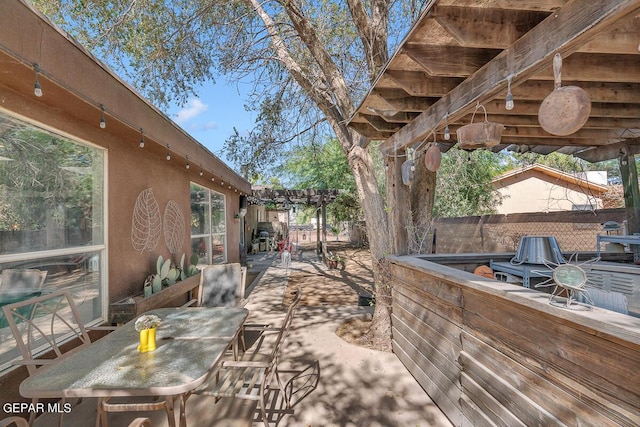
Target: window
{"points": [[52, 211], [208, 225]]}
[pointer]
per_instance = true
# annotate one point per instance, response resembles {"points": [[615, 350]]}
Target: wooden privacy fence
{"points": [[574, 230], [495, 354]]}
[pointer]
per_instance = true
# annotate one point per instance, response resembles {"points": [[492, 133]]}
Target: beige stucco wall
{"points": [[539, 195], [74, 86]]}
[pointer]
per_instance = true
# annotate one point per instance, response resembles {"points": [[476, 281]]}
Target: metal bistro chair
{"points": [[250, 377], [42, 325], [14, 421]]}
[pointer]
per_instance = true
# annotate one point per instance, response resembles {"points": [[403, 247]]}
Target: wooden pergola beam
{"points": [[568, 28]]}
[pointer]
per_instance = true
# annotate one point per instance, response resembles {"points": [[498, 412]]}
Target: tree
{"points": [[324, 167], [311, 60], [464, 183]]}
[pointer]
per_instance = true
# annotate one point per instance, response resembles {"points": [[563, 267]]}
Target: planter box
{"points": [[129, 308]]}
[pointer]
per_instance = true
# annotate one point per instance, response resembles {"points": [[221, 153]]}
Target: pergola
{"points": [[465, 53], [309, 197]]}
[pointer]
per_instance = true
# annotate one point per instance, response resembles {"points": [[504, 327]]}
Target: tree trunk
{"points": [[379, 243]]}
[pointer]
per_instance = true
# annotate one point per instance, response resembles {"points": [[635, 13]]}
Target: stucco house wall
{"points": [[542, 189], [75, 85]]}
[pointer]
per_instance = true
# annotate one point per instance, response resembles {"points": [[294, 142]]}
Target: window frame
{"points": [[209, 236]]}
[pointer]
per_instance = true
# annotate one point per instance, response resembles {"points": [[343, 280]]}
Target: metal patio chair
{"points": [[42, 326], [14, 421], [255, 373]]}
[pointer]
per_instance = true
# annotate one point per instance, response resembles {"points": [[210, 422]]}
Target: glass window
{"points": [[208, 225], [51, 218]]}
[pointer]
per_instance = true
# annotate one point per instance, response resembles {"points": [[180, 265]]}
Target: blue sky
{"points": [[211, 117]]}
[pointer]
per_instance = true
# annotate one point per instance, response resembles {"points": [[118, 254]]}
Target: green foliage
{"points": [[324, 167], [463, 183], [41, 174]]}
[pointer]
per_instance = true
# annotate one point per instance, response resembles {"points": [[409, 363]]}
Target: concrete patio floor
{"points": [[356, 386]]}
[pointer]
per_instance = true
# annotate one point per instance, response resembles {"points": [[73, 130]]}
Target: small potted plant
{"points": [[146, 325]]}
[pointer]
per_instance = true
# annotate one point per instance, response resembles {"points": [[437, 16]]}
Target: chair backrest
{"points": [[221, 285], [22, 280], [15, 421], [286, 325], [41, 325]]}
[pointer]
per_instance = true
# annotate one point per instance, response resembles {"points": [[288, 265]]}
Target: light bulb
{"points": [[509, 101], [103, 122], [38, 89], [222, 183], [212, 179], [141, 145], [168, 156], [188, 165], [447, 133], [201, 173]]}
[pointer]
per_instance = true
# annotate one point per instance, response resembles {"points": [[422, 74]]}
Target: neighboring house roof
{"points": [[519, 174]]}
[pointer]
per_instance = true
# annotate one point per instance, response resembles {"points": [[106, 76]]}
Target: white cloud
{"points": [[194, 108]]}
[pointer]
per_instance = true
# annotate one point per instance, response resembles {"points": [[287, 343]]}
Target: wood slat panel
{"points": [[516, 403], [582, 363], [490, 407], [437, 350], [430, 288], [430, 314], [441, 380], [474, 414], [565, 406], [450, 407]]}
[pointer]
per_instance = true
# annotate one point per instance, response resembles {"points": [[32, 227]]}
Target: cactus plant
{"points": [[168, 273]]}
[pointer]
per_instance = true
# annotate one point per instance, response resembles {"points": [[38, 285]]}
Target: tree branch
{"points": [[373, 32], [334, 78]]}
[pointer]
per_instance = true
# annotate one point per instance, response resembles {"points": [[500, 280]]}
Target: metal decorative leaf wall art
{"points": [[174, 227], [146, 224]]}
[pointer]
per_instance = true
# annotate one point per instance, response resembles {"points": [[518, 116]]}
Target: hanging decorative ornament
{"points": [[432, 158], [565, 110], [407, 172]]}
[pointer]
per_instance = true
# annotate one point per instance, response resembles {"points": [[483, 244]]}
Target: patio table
{"points": [[190, 343]]}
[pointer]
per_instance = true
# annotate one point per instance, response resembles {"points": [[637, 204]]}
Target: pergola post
{"points": [[318, 241], [324, 230], [629, 173], [399, 207]]}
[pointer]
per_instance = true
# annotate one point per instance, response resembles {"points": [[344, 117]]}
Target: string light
{"points": [[103, 122], [37, 91], [213, 179], [201, 173], [447, 132], [141, 145], [509, 99], [188, 165], [168, 153], [222, 183]]}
